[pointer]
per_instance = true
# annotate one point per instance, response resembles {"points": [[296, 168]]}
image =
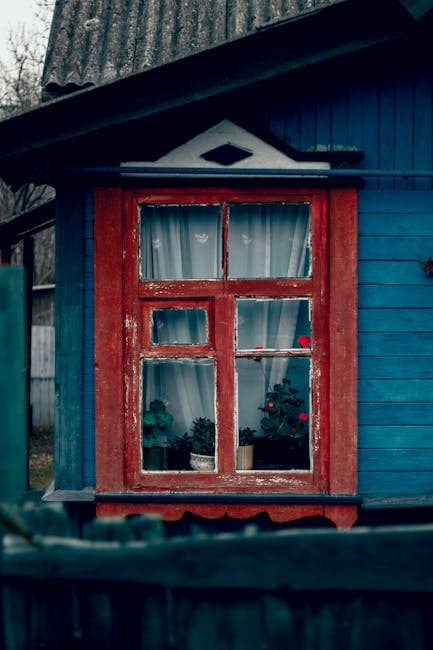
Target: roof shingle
{"points": [[94, 41]]}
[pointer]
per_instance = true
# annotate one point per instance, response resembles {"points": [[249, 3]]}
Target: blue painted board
{"points": [[409, 202], [396, 223], [422, 125], [371, 296], [378, 413], [393, 272], [394, 247], [395, 437], [13, 393], [409, 482], [413, 367], [69, 337], [386, 131], [392, 460], [88, 349], [395, 390], [404, 121], [396, 343], [395, 320]]}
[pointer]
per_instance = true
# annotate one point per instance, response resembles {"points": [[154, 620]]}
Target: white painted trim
{"points": [[264, 156]]}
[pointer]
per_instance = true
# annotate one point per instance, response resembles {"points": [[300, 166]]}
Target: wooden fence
{"points": [[126, 586], [42, 376]]}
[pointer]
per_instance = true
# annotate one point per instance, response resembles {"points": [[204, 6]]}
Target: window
{"points": [[229, 321]]}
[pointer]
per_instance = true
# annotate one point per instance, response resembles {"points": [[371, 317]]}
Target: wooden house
{"points": [[244, 195]]}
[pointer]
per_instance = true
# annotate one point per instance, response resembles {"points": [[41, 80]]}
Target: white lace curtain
{"points": [[185, 242]]}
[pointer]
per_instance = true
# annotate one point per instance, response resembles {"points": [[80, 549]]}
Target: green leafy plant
{"points": [[203, 436], [246, 436], [283, 419], [155, 421], [180, 443]]}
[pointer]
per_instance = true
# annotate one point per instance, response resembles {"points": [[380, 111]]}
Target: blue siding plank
{"points": [[394, 247], [402, 201], [370, 145], [396, 223], [392, 460], [395, 390], [395, 343], [410, 482], [372, 296], [393, 273], [395, 320], [386, 131], [423, 120], [395, 414], [404, 136], [395, 437], [414, 367]]}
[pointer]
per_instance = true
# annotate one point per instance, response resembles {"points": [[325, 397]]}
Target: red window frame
{"points": [[122, 316]]}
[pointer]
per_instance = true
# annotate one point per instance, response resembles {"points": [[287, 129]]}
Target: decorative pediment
{"points": [[229, 146]]}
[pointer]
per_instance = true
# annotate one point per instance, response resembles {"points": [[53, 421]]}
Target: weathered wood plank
{"points": [[394, 247], [393, 223], [395, 320], [392, 460], [393, 272], [384, 437], [402, 202], [395, 343], [13, 418], [393, 368], [371, 296], [69, 337], [409, 482], [396, 390], [392, 413], [365, 559]]}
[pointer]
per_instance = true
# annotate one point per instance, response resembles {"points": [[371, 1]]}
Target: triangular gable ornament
{"points": [[227, 146]]}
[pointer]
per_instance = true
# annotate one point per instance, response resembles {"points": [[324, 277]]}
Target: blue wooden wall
{"points": [[385, 111]]}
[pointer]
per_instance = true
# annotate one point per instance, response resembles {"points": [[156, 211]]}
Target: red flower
{"points": [[257, 347], [270, 405], [304, 341], [303, 417]]}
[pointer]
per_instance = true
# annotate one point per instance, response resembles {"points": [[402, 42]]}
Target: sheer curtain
{"points": [[185, 242]]}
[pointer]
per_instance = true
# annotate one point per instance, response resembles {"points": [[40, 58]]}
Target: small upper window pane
{"points": [[272, 324], [269, 240], [179, 326], [180, 242]]}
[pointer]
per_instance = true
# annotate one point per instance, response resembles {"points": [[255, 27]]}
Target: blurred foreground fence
{"points": [[126, 586]]}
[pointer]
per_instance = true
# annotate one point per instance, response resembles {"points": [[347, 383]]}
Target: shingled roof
{"points": [[94, 41]]}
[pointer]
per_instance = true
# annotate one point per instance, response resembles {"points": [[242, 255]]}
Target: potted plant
{"points": [[178, 451], [202, 456], [245, 451], [155, 422], [285, 437]]}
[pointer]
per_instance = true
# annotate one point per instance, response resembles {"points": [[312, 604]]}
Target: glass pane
{"points": [[180, 242], [178, 412], [272, 324], [269, 240], [274, 402], [179, 326]]}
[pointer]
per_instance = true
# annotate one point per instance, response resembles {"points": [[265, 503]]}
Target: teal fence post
{"points": [[13, 408]]}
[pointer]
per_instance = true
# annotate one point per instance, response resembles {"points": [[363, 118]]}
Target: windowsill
{"points": [[85, 495]]}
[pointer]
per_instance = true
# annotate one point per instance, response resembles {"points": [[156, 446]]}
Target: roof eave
{"points": [[30, 138]]}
